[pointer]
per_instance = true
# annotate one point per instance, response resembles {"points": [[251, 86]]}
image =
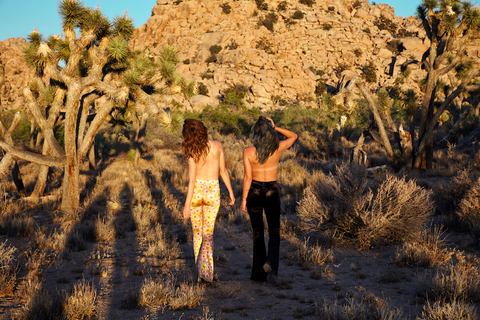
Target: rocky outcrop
{"points": [[334, 36], [17, 73]]}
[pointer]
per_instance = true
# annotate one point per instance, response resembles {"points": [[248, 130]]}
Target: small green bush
{"points": [[186, 61], [370, 72], [404, 33], [331, 9], [384, 23], [202, 89], [282, 6], [215, 49], [358, 52], [320, 88], [269, 20], [211, 58], [297, 15], [261, 5], [307, 2], [226, 8], [367, 30], [207, 75], [326, 26], [394, 46]]}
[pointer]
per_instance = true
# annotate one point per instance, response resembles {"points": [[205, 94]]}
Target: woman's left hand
{"points": [[243, 206]]}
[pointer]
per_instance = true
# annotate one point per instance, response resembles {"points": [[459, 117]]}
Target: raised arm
{"points": [[192, 173], [225, 176], [247, 178], [291, 137]]}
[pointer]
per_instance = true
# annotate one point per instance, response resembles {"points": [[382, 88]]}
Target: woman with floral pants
{"points": [[205, 161]]}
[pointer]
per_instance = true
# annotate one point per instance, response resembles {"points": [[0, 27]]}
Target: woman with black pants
{"points": [[260, 193]]}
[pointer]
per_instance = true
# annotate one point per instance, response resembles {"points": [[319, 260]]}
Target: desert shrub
{"points": [[226, 8], [384, 23], [358, 52], [232, 45], [159, 246], [21, 227], [298, 119], [207, 75], [131, 156], [261, 5], [331, 9], [448, 196], [402, 33], [202, 89], [211, 59], [327, 26], [186, 61], [215, 49], [370, 309], [369, 72], [240, 90], [448, 311], [394, 46], [282, 6], [269, 20], [8, 275], [320, 88], [186, 297], [163, 294], [469, 208], [297, 15], [426, 252], [265, 45], [75, 242], [460, 282], [394, 212], [80, 304], [367, 30], [307, 2], [314, 254]]}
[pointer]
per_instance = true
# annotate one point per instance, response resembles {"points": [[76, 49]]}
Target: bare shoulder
{"points": [[249, 151], [216, 145]]}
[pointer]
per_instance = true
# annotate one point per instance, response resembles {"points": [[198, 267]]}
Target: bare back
{"points": [[208, 168], [266, 171]]}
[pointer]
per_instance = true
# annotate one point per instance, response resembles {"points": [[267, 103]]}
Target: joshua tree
{"points": [[97, 63], [450, 26]]}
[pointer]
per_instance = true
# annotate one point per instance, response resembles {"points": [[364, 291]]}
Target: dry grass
{"points": [[469, 209], [427, 251], [156, 293], [159, 246], [395, 211], [8, 275], [460, 282], [80, 304], [314, 254], [449, 311], [352, 309]]}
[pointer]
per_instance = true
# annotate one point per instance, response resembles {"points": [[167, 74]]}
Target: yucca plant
{"points": [[97, 63]]}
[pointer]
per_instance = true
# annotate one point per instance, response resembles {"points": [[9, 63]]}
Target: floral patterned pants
{"points": [[204, 208]]}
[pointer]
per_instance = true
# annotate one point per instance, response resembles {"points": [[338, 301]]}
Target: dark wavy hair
{"points": [[195, 139], [264, 138]]}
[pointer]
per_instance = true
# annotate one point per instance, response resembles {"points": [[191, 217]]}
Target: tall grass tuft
{"points": [[460, 282], [159, 246], [394, 212], [314, 254], [448, 311], [469, 209], [357, 310], [81, 303], [8, 274]]}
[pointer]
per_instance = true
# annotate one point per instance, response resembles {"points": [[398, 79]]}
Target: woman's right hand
{"points": [[273, 124], [186, 213]]}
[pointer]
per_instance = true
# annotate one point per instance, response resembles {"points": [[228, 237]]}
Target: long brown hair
{"points": [[265, 139], [195, 139]]}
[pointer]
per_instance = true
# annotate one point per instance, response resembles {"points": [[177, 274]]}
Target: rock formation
{"points": [[282, 60]]}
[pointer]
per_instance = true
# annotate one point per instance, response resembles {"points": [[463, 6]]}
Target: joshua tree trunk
{"points": [[452, 137], [139, 136]]}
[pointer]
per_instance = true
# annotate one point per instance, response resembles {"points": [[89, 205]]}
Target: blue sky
{"points": [[19, 17]]}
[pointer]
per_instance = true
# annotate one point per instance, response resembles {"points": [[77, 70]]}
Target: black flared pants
{"points": [[264, 196]]}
